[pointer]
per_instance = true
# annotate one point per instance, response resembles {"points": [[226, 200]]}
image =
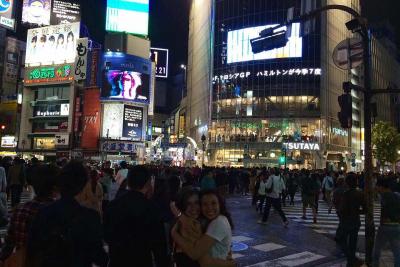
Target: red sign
{"points": [[91, 119], [94, 67]]}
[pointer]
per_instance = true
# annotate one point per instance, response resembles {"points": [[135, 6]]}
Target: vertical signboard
{"points": [[81, 59], [91, 119], [160, 57], [133, 123], [93, 67]]}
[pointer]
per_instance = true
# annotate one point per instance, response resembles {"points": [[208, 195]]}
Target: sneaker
{"points": [[261, 222]]}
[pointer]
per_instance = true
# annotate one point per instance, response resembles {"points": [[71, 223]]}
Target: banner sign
{"points": [[91, 119], [81, 59], [121, 146], [62, 140], [133, 123]]}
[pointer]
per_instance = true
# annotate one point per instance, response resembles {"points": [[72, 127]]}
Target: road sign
{"points": [[348, 54]]}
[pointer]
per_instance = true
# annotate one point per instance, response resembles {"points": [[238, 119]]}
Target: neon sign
{"points": [[60, 73]]}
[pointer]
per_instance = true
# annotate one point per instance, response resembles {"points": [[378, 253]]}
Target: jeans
{"points": [[347, 235], [387, 234], [276, 203], [16, 191], [261, 204], [328, 198]]}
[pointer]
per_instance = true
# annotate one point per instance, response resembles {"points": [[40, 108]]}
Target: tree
{"points": [[386, 143]]}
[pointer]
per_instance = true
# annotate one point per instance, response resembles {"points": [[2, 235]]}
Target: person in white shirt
{"points": [[122, 173], [328, 186], [274, 187]]}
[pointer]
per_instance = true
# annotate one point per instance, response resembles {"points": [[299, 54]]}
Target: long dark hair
{"points": [[222, 205], [183, 198]]}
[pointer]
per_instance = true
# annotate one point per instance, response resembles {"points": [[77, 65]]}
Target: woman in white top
{"points": [[216, 241]]}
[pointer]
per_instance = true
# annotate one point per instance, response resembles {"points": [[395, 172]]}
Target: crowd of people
{"points": [[82, 214]]}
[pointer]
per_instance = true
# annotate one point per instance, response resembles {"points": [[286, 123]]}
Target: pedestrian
{"points": [[16, 180], [261, 194], [327, 187], [133, 227], [309, 187], [253, 181], [352, 205], [92, 194], [106, 183], [389, 229], [292, 186], [274, 187], [208, 181], [43, 181], [215, 243], [3, 197], [122, 173], [64, 233], [317, 180]]}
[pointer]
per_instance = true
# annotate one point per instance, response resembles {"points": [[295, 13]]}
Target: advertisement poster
{"points": [[112, 120], [52, 45], [6, 14], [65, 11], [126, 78], [121, 13], [160, 57], [91, 119], [36, 12], [133, 123]]}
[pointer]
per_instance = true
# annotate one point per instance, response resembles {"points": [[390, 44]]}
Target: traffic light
{"points": [[282, 159], [346, 111]]}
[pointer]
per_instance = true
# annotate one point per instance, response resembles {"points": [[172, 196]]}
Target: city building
{"points": [[278, 107]]}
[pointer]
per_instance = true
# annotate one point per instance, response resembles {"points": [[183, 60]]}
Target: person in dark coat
{"points": [[66, 234], [133, 226]]}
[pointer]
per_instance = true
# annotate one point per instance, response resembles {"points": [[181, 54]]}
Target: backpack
{"points": [[57, 245], [329, 181], [271, 188]]}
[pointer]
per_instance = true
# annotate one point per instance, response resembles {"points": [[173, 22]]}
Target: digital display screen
{"points": [[126, 85], [65, 11], [52, 45], [131, 16], [239, 47], [36, 12]]}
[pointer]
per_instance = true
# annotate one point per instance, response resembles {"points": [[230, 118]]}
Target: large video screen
{"points": [[36, 12], [52, 45], [7, 14], [126, 85], [239, 47], [131, 16]]}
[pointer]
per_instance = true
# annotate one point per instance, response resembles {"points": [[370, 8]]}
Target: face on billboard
{"points": [[128, 85], [52, 45], [131, 16], [239, 47], [36, 12]]}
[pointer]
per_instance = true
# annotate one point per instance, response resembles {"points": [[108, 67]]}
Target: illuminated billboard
{"points": [[52, 45], [65, 11], [6, 14], [239, 47], [36, 12], [131, 16], [127, 78]]}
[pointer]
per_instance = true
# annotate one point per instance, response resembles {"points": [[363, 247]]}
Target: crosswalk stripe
{"points": [[290, 260]]}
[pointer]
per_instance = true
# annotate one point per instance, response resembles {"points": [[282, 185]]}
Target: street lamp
{"points": [[183, 67]]}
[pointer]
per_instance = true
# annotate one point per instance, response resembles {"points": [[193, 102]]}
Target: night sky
{"points": [[169, 23]]}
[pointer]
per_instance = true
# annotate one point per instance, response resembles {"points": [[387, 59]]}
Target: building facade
{"points": [[278, 103]]}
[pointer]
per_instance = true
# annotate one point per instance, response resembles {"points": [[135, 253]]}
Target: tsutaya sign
{"points": [[302, 146]]}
